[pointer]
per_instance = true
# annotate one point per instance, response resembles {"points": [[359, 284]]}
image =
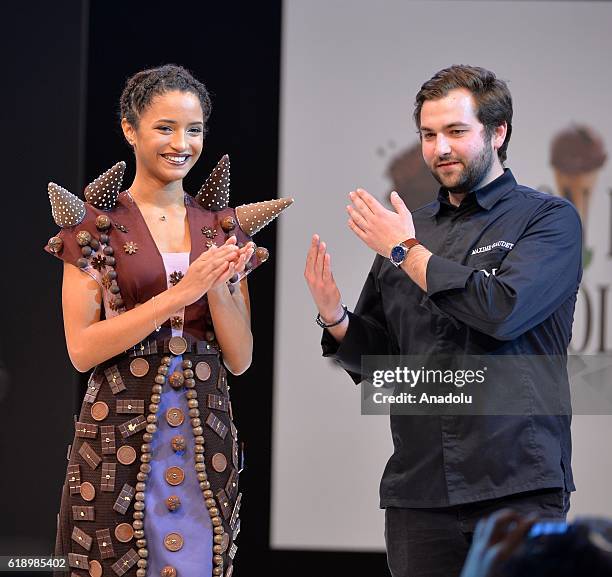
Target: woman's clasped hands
{"points": [[213, 268]]}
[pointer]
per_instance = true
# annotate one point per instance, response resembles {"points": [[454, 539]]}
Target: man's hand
{"points": [[321, 282], [381, 229]]}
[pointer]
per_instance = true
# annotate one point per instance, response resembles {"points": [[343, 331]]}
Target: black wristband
{"points": [[324, 326]]}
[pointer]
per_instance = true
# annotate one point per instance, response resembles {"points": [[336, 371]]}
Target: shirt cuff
{"points": [[443, 274]]}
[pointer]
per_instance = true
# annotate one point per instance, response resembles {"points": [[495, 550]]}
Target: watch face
{"points": [[398, 253]]}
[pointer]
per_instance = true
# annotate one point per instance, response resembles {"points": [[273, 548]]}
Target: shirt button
{"points": [[175, 475], [175, 417], [173, 541]]}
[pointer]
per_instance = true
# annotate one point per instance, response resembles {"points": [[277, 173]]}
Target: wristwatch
{"points": [[400, 251]]}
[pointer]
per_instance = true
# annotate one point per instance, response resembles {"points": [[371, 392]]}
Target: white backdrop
{"points": [[350, 72]]}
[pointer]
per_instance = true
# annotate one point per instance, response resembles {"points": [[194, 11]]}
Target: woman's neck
{"points": [[147, 190]]}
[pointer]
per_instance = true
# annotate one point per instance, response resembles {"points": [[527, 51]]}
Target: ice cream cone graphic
{"points": [[577, 156]]}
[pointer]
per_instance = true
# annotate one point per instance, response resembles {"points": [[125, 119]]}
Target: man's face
{"points": [[454, 143]]}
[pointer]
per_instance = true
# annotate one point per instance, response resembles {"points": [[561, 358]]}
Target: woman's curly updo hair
{"points": [[145, 85]]}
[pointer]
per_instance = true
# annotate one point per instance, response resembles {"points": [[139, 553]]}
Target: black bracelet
{"points": [[324, 326]]}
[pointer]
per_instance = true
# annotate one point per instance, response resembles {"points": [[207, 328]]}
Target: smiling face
{"points": [[455, 145], [169, 137]]}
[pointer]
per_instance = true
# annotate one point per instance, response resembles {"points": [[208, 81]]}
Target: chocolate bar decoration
{"points": [[83, 513], [103, 537], [130, 406], [73, 478], [78, 561], [216, 425], [107, 438], [222, 382], [232, 551], [231, 487], [236, 531], [114, 379], [217, 402], [82, 538], [107, 481], [86, 430], [224, 503], [144, 349], [132, 426], [124, 499], [236, 510], [89, 455], [234, 431], [235, 455], [93, 387], [125, 563]]}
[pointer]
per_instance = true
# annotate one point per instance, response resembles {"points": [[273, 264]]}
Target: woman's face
{"points": [[170, 136]]}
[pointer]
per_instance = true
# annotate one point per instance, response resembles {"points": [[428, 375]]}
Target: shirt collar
{"points": [[488, 195]]}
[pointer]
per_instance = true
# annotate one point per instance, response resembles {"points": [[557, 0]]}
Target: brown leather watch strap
{"points": [[410, 243]]}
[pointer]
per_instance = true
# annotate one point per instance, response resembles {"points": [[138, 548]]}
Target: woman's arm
{"points": [[232, 321], [91, 341]]}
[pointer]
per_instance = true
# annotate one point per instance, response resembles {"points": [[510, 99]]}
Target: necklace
{"points": [[162, 217]]}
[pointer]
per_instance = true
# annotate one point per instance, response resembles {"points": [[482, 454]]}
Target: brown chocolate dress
{"points": [[101, 524]]}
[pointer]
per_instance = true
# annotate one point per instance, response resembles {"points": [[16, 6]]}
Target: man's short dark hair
{"points": [[491, 96]]}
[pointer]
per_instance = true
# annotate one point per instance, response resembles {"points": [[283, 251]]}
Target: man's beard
{"points": [[473, 173]]}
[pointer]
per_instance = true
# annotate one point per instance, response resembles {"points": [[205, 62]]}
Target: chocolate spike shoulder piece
{"points": [[103, 192], [67, 209], [214, 194], [253, 217]]}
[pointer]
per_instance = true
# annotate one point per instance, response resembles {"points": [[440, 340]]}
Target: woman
{"points": [[152, 483]]}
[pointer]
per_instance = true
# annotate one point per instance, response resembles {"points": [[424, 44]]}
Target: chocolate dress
{"points": [[152, 480]]}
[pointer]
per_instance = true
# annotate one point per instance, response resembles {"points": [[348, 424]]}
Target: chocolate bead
{"points": [[208, 494], [218, 560], [160, 379], [141, 543], [176, 380], [141, 486], [138, 524], [110, 261], [202, 476], [151, 419], [190, 383], [143, 552], [140, 572], [218, 530], [209, 503], [83, 237], [166, 360], [153, 408], [198, 431], [178, 443], [139, 506], [151, 428], [200, 467], [194, 413], [228, 223], [155, 398], [191, 395], [198, 440], [187, 364], [188, 374], [145, 468], [55, 244], [142, 563], [114, 289], [199, 458], [217, 549], [198, 449], [103, 222], [140, 534], [210, 336], [163, 370], [216, 521], [140, 516], [173, 503], [104, 238], [204, 485], [93, 243], [141, 476], [193, 403], [168, 571], [157, 389], [82, 262], [218, 539], [262, 253], [86, 250], [108, 250], [197, 422], [147, 437], [217, 572], [145, 458], [111, 274], [139, 496]]}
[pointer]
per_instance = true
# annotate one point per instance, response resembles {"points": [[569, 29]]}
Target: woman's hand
{"points": [[214, 266], [236, 266]]}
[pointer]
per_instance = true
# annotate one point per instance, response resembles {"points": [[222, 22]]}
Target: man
{"points": [[489, 268]]}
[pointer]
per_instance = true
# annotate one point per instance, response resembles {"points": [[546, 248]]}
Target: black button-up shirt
{"points": [[502, 279]]}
